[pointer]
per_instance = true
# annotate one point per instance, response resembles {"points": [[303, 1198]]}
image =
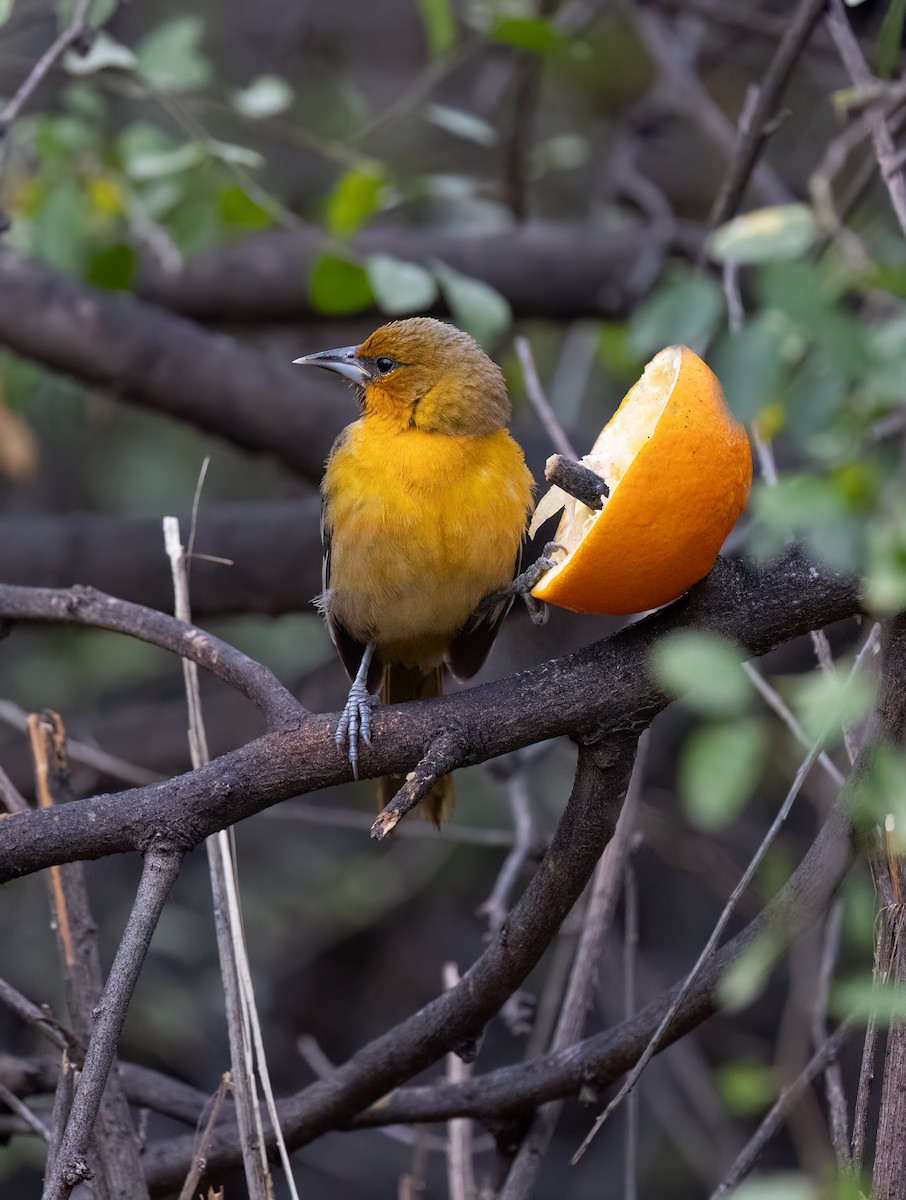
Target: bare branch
{"points": [[605, 685], [754, 131], [70, 1165], [114, 1150], [71, 36], [152, 358], [276, 549], [84, 606], [820, 1061]]}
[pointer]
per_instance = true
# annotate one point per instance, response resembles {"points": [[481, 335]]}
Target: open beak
{"points": [[343, 361]]}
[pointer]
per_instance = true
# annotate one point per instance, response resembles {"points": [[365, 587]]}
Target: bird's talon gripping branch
{"points": [[355, 720]]}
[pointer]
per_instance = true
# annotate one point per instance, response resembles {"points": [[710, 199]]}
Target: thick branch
{"points": [[604, 686], [544, 269], [156, 360], [275, 550]]}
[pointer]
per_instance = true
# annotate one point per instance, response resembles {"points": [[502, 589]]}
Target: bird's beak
{"points": [[343, 361]]}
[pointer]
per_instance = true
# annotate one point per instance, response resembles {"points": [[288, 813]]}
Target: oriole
{"points": [[425, 502]]}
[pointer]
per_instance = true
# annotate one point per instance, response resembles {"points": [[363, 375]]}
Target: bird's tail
{"points": [[400, 685]]}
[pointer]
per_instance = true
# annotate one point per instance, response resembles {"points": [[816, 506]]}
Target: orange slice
{"points": [[679, 470]]}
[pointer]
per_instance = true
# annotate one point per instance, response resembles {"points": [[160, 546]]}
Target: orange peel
{"points": [[679, 469]]}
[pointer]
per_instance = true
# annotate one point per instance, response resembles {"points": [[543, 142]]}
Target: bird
{"points": [[425, 503]]}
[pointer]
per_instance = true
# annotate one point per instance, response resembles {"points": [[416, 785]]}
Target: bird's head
{"points": [[423, 374]]}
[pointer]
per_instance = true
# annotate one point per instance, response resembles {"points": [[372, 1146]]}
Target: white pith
{"points": [[613, 453]]}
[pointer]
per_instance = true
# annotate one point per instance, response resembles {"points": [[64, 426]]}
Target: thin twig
{"points": [[199, 1162], [496, 906], [220, 865], [460, 1169], [539, 400], [885, 150], [630, 947], [14, 1104], [89, 756], [350, 818], [773, 1120], [41, 1018], [753, 133], [607, 881], [70, 1165], [10, 796], [833, 1075], [114, 1151], [68, 38], [749, 873], [776, 702]]}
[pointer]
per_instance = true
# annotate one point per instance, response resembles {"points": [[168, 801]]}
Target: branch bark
{"points": [[604, 686], [275, 550], [159, 361], [545, 269]]}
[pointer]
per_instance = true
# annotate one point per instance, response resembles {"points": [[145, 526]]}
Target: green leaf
{"points": [[6, 9], [353, 200], [170, 59], [112, 268], [461, 124], [782, 1186], [744, 980], [339, 287], [238, 210], [719, 768], [749, 364], [824, 701], [746, 1089], [810, 509], [440, 25], [782, 231], [685, 310], [704, 670], [880, 794], [398, 286], [237, 156], [170, 162], [103, 54], [57, 229], [266, 96], [859, 997], [477, 308], [100, 13], [890, 37], [529, 33]]}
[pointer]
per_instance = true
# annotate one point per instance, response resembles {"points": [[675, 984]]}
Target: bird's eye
{"points": [[384, 364]]}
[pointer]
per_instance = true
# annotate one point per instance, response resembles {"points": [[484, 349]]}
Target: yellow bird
{"points": [[425, 502]]}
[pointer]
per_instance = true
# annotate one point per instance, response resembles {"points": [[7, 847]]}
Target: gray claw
{"points": [[355, 722]]}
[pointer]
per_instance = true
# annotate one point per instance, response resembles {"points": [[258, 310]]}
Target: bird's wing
{"points": [[349, 648], [472, 645]]}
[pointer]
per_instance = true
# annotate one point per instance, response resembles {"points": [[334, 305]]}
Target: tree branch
{"points": [[459, 1015], [84, 606], [604, 686], [545, 269], [70, 1166], [159, 361], [275, 549], [754, 134]]}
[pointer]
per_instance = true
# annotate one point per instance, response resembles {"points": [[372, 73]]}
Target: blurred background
{"points": [[291, 175]]}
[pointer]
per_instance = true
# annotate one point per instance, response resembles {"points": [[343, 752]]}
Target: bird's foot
{"points": [[523, 583], [355, 723]]}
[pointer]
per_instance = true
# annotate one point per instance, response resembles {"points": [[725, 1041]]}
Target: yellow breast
{"points": [[423, 526]]}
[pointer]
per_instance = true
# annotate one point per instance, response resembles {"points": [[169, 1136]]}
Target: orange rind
{"points": [[679, 469]]}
